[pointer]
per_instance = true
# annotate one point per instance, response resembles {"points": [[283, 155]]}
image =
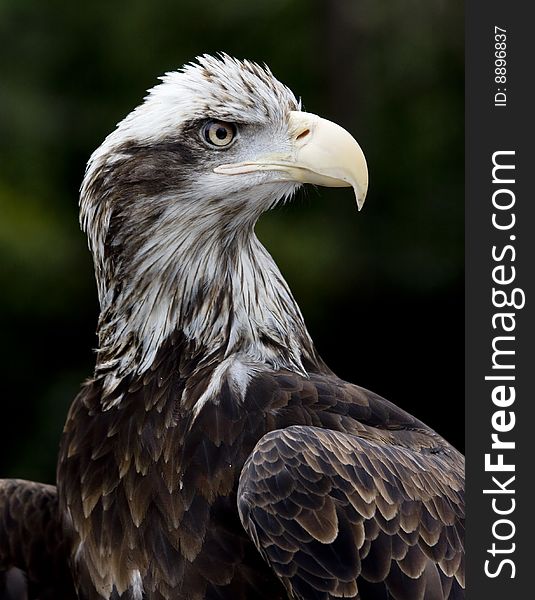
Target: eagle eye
{"points": [[218, 133]]}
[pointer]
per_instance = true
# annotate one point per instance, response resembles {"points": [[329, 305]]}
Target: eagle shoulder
{"points": [[363, 499]]}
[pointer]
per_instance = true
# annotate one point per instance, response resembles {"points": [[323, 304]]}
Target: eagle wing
{"points": [[370, 515], [32, 542]]}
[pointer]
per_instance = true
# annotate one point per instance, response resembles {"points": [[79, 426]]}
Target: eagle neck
{"points": [[219, 291]]}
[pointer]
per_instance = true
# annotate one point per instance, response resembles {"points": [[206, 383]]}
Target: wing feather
{"points": [[341, 515], [32, 543]]}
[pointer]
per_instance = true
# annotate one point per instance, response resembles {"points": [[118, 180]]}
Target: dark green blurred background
{"points": [[382, 291]]}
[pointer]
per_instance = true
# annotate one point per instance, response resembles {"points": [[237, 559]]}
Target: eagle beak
{"points": [[321, 153]]}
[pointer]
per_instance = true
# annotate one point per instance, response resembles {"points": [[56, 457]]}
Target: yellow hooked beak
{"points": [[321, 153]]}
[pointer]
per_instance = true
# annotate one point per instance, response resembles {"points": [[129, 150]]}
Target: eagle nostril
{"points": [[303, 134]]}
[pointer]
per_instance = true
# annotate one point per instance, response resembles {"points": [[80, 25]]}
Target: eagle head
{"points": [[170, 199]]}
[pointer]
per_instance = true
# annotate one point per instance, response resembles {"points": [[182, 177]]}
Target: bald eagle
{"points": [[213, 454]]}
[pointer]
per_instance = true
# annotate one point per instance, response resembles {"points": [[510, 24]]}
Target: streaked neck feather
{"points": [[225, 296]]}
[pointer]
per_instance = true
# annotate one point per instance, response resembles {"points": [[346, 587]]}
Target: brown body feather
{"points": [[374, 493], [32, 542]]}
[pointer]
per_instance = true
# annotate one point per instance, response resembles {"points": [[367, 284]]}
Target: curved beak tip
{"points": [[361, 197]]}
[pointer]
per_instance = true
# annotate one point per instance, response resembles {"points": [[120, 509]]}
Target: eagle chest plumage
{"points": [[213, 455], [153, 489], [152, 486]]}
